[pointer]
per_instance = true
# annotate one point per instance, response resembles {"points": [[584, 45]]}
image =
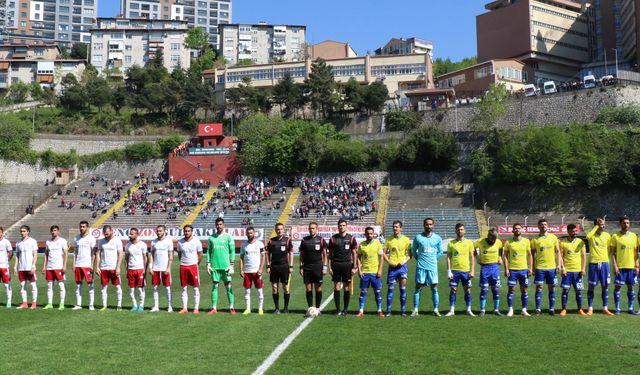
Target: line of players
{"points": [[544, 257]]}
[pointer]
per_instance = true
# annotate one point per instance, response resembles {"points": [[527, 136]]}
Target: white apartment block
{"points": [[262, 43], [207, 14], [120, 43]]}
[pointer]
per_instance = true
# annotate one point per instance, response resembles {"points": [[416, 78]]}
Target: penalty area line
{"points": [[277, 352]]}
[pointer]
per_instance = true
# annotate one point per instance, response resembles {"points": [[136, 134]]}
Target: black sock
{"points": [[286, 300], [276, 300], [318, 299], [347, 298], [310, 298], [336, 299]]}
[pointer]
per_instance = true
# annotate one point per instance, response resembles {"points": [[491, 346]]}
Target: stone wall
{"points": [[85, 144]]}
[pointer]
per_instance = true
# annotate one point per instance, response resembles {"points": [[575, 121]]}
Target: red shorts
{"points": [[27, 276], [158, 276], [5, 275], [109, 275], [85, 273], [136, 278], [252, 278], [189, 275], [54, 275]]}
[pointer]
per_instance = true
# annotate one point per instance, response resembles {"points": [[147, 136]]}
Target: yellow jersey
{"points": [[397, 248], [572, 254], [598, 246], [518, 253], [369, 255], [460, 253], [624, 247], [545, 251], [487, 253]]}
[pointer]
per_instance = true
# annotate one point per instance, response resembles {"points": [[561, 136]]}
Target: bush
{"points": [[142, 151], [428, 148], [625, 115], [167, 144], [402, 120]]}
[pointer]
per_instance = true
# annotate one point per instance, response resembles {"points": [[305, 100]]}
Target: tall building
{"points": [[550, 36], [47, 21], [262, 43], [207, 14], [120, 43], [616, 32], [403, 46]]}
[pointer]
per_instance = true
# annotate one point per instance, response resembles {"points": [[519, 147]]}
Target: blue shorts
{"points": [[572, 279], [459, 276], [545, 277], [490, 275], [626, 276], [518, 277], [370, 279], [426, 277], [599, 273], [395, 274]]}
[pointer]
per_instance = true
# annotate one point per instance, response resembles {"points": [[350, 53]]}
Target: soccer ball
{"points": [[312, 312]]}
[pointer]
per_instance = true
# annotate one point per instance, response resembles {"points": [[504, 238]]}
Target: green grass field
{"points": [[125, 342]]}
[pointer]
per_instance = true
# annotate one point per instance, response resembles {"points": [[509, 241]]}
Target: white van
{"points": [[589, 82], [531, 90], [549, 87]]}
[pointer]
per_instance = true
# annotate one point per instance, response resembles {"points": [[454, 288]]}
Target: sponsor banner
{"points": [[209, 151], [530, 229], [148, 234]]}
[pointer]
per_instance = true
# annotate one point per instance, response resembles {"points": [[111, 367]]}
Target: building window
{"points": [[97, 46], [175, 46], [127, 59], [399, 69], [483, 72], [175, 58], [97, 58], [348, 70]]}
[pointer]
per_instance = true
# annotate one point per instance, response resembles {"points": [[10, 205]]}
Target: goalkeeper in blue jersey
{"points": [[426, 249]]}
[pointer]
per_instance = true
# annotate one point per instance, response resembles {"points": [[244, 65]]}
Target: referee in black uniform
{"points": [[342, 256], [279, 266], [313, 263]]}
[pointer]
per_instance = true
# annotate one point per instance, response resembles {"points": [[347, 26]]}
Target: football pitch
{"points": [[60, 342]]}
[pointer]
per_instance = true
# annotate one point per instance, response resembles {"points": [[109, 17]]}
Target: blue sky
{"points": [[366, 24]]}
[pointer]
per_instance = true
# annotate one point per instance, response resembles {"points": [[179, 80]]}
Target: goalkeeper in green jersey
{"points": [[221, 251]]}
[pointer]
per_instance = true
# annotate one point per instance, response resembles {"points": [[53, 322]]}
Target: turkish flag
{"points": [[209, 130]]}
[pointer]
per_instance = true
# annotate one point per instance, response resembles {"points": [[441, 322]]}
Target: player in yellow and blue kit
{"points": [[599, 264], [490, 258], [461, 266], [426, 249], [397, 252], [369, 262], [547, 262], [518, 266], [624, 251], [574, 259]]}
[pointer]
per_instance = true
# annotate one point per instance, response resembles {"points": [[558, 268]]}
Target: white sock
{"points": [[119, 295], [104, 296], [132, 293], [23, 291], [78, 294], [185, 297], [91, 294], [143, 294], [49, 292], [247, 298], [63, 293], [169, 297], [196, 297], [156, 297], [9, 293], [34, 292], [260, 299]]}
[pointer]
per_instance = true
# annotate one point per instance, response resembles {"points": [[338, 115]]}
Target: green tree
{"points": [[36, 91], [492, 107], [168, 144], [73, 95], [399, 120], [444, 66], [197, 38], [98, 92], [375, 95], [118, 98], [321, 87], [79, 51], [18, 92], [15, 138], [428, 148], [286, 93], [354, 95]]}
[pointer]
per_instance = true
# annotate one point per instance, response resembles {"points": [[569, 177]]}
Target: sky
{"points": [[365, 24]]}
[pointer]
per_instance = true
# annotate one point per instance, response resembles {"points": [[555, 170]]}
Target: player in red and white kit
{"points": [[55, 265], [83, 261], [136, 258], [25, 266], [252, 258], [160, 259], [6, 253], [190, 254], [108, 260]]}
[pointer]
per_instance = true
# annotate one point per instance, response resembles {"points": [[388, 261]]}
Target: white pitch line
{"points": [[277, 352]]}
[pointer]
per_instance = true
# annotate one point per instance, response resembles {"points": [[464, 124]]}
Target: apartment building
{"points": [[403, 46], [475, 80], [49, 21], [36, 63], [207, 14], [616, 33], [550, 36], [120, 43], [262, 43]]}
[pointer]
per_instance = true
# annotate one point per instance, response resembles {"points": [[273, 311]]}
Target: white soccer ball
{"points": [[312, 312]]}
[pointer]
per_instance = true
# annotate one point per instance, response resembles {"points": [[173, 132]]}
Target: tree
{"points": [[73, 95], [15, 138], [79, 51], [197, 38], [98, 92], [18, 92], [375, 95], [354, 95], [118, 98], [402, 120], [428, 148], [492, 107], [445, 66], [321, 86], [286, 93], [36, 91]]}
